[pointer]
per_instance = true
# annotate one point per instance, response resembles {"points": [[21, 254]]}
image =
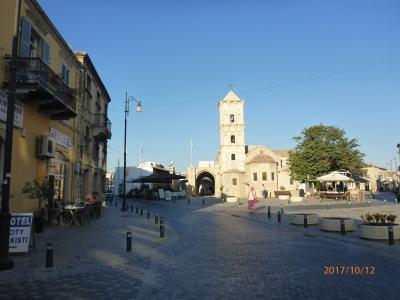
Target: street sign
{"points": [[20, 232]]}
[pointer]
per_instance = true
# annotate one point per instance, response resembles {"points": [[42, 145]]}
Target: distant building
{"points": [[239, 166], [382, 179], [132, 173]]}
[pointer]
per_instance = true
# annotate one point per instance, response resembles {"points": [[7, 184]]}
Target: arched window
{"points": [[232, 139], [232, 118], [233, 157]]}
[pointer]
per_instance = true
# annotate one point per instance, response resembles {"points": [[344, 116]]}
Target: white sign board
{"points": [[18, 111], [61, 138], [20, 232], [161, 193]]}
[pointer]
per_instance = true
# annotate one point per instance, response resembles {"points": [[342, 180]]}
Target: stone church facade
{"points": [[239, 166]]}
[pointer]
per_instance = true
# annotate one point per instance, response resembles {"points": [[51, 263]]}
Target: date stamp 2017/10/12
{"points": [[349, 270]]}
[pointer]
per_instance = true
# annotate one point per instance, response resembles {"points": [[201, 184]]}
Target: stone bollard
{"points": [[395, 201], [148, 215], [162, 232], [281, 209], [328, 205], [369, 203], [305, 221], [129, 241], [349, 204], [156, 218], [384, 201], [49, 255], [391, 235], [342, 227], [279, 216], [269, 212]]}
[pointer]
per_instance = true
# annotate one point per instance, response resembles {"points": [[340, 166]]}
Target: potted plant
{"points": [[375, 226], [40, 191]]}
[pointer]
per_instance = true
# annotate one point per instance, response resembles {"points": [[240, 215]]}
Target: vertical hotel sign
{"points": [[18, 111]]}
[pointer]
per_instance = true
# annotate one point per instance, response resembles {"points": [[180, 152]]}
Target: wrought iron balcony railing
{"points": [[103, 124], [34, 76]]}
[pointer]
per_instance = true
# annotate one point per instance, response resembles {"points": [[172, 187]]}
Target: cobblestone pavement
{"points": [[215, 251]]}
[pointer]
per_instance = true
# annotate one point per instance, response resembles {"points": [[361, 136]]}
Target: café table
{"points": [[73, 214]]}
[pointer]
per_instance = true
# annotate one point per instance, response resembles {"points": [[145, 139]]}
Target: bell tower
{"points": [[231, 127]]}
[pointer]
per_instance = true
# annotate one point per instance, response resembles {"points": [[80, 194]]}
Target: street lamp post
{"points": [[138, 109], [5, 262]]}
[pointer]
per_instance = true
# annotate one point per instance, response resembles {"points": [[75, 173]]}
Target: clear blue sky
{"points": [[180, 58]]}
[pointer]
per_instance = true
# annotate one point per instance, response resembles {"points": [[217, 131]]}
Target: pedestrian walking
{"points": [[252, 199]]}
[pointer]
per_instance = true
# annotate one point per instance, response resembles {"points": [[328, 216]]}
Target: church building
{"points": [[239, 166]]}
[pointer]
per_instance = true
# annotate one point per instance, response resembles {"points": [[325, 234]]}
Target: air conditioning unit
{"points": [[46, 147]]}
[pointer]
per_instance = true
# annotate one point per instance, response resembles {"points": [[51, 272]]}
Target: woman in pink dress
{"points": [[252, 200]]}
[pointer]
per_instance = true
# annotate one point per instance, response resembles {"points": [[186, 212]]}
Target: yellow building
{"points": [[94, 129], [48, 76]]}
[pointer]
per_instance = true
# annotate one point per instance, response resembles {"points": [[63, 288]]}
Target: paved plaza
{"points": [[211, 251]]}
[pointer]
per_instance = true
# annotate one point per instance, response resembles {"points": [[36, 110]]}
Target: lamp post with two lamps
{"points": [[137, 109]]}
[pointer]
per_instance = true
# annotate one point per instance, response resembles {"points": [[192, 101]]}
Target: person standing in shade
{"points": [[252, 199]]}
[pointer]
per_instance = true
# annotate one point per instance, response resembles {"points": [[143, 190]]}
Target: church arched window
{"points": [[232, 118], [232, 139]]}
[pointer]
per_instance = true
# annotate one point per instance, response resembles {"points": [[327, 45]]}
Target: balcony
{"points": [[101, 127], [37, 83]]}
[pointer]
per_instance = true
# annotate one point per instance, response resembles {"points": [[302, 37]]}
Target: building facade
{"points": [[94, 129], [46, 138], [239, 166]]}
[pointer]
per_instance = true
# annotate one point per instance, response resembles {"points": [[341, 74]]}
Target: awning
{"points": [[158, 178], [333, 177]]}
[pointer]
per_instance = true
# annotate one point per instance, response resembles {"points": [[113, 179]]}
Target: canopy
{"points": [[158, 178], [332, 177]]}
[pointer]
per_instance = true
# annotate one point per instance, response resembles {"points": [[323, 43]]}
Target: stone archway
{"points": [[205, 184]]}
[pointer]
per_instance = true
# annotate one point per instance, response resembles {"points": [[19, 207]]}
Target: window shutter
{"points": [[25, 40], [46, 53]]}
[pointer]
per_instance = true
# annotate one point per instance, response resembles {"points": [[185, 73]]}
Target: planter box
{"points": [[333, 224], [296, 199], [378, 232], [298, 219], [231, 199]]}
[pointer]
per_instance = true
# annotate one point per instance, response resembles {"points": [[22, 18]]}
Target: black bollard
{"points": [[269, 212], [148, 215], [203, 201], [391, 235], [342, 227], [49, 255], [137, 209], [141, 211], [156, 218], [279, 216], [129, 241], [161, 227], [305, 221]]}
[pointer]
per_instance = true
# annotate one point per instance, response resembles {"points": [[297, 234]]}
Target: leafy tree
{"points": [[321, 149]]}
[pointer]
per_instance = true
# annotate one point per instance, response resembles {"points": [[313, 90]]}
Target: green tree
{"points": [[321, 149]]}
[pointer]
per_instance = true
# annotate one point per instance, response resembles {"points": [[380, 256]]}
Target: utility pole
{"points": [[5, 262]]}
